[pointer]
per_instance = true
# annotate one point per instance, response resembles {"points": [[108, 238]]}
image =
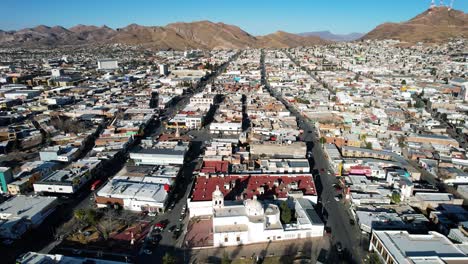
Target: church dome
{"points": [[253, 207]]}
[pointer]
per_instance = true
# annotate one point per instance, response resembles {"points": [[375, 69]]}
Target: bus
{"points": [[95, 185]]}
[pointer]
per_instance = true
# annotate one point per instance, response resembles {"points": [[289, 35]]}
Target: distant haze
{"points": [[327, 35]]}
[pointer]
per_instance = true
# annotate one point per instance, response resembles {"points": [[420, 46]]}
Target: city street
{"points": [[338, 217]]}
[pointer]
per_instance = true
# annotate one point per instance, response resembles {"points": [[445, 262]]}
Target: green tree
{"points": [[91, 217], [419, 104], [368, 145], [80, 215], [396, 198], [225, 259], [323, 140], [374, 258], [285, 213], [168, 259], [334, 99], [403, 82]]}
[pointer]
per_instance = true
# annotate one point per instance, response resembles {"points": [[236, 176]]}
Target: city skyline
{"points": [[255, 18]]}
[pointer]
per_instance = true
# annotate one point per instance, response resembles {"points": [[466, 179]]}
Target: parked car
{"points": [[161, 225]]}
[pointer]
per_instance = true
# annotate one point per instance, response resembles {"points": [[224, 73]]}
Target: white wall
{"points": [[42, 187]]}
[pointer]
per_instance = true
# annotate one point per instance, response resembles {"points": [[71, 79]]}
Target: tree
{"points": [[323, 140], [168, 259], [106, 226], [368, 145], [403, 82], [225, 259], [334, 99], [419, 104], [396, 198], [285, 213], [443, 116], [409, 104], [80, 215], [91, 217], [374, 258]]}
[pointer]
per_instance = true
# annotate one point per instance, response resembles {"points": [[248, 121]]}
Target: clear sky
{"points": [[254, 16]]}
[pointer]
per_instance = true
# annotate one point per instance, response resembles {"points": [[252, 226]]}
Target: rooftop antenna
{"points": [[441, 3], [432, 4]]}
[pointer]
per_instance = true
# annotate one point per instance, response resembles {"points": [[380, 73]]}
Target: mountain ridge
{"points": [[434, 25], [178, 36]]}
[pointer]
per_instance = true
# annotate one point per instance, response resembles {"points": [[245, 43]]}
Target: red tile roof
{"points": [[246, 186], [215, 166]]}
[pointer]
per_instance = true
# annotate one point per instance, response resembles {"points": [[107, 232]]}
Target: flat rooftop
{"points": [[22, 206], [403, 245]]}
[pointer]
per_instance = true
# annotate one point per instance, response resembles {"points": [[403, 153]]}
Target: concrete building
{"points": [[296, 150], [58, 153], [163, 69], [57, 72], [404, 248], [70, 180], [20, 213], [433, 139], [173, 154], [107, 64], [133, 193]]}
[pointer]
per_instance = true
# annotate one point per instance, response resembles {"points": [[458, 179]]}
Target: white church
{"points": [[253, 221]]}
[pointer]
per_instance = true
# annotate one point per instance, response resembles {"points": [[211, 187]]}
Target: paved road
{"points": [[184, 183], [338, 212]]}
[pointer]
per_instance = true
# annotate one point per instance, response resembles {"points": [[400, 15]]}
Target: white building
{"points": [[57, 72], [134, 194], [254, 222], [404, 248], [163, 69], [107, 64], [163, 153], [70, 180], [228, 128]]}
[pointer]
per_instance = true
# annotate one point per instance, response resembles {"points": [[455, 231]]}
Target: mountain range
{"points": [[178, 36], [327, 35], [434, 25]]}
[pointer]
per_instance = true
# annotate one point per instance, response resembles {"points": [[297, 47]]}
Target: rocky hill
{"points": [[435, 25]]}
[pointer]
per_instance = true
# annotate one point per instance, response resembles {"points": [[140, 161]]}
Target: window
{"points": [[226, 239], [238, 238]]}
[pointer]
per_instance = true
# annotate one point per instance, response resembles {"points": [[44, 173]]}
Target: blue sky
{"points": [[254, 16]]}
